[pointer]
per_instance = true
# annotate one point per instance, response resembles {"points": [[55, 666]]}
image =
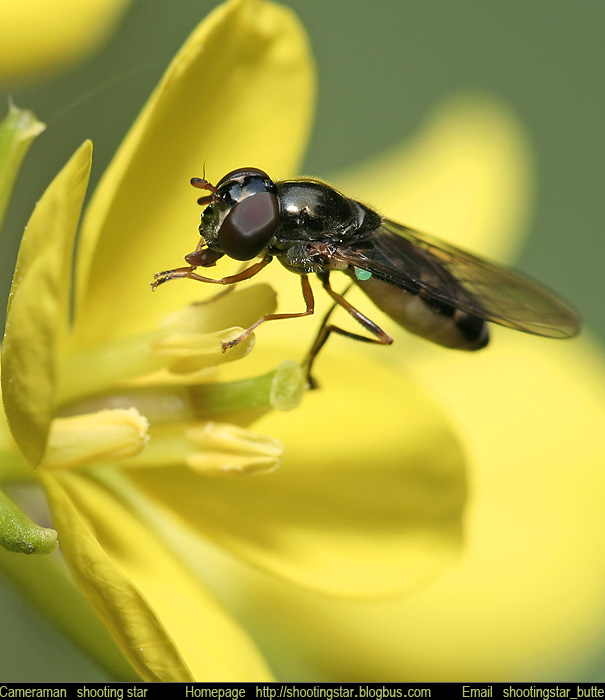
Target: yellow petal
{"points": [[39, 306], [465, 177], [524, 601], [368, 499], [167, 625], [39, 37], [238, 93]]}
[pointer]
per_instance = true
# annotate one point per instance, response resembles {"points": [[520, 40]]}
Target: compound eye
{"points": [[249, 225], [241, 173]]}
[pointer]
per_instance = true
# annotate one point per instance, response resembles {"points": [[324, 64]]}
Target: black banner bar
{"points": [[304, 691]]}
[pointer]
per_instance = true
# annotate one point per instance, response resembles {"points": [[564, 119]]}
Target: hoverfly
{"points": [[427, 286]]}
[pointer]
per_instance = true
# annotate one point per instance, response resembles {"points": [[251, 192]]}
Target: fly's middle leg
{"points": [[326, 328]]}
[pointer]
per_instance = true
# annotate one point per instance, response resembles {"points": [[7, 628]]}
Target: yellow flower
{"points": [[38, 38], [142, 453]]}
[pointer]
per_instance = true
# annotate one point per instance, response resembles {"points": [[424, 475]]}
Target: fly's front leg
{"points": [[180, 272], [325, 329], [190, 273], [222, 293], [309, 301]]}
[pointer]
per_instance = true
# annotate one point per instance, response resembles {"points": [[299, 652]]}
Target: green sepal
{"points": [[17, 132], [20, 534]]}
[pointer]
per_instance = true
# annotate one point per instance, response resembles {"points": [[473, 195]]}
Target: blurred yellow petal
{"points": [[39, 37], [368, 499], [240, 88], [524, 600], [38, 307], [465, 177], [535, 560], [168, 626]]}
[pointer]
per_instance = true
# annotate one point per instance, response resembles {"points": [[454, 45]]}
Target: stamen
{"points": [[189, 352], [227, 450], [103, 436], [189, 340]]}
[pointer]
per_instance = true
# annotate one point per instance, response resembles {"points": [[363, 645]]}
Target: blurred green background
{"points": [[383, 66]]}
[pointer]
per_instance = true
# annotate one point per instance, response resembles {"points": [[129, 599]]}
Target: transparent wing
{"points": [[446, 275]]}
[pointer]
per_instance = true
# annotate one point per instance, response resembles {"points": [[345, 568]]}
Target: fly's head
{"points": [[240, 216]]}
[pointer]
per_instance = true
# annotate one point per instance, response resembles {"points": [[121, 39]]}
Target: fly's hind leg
{"points": [[326, 328]]}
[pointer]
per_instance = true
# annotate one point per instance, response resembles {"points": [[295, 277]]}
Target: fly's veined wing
{"points": [[421, 264]]}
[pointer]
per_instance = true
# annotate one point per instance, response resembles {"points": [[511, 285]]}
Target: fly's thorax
{"points": [[369, 220], [311, 210], [315, 219], [300, 257]]}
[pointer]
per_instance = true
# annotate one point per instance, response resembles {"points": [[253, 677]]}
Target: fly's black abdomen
{"points": [[474, 329], [438, 306], [438, 322], [419, 294]]}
